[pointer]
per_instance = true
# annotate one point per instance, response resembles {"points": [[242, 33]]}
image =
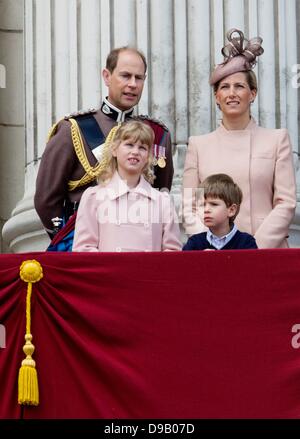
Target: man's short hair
{"points": [[113, 56]]}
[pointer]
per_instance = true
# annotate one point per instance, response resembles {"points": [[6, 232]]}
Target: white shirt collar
{"points": [[113, 112], [220, 241]]}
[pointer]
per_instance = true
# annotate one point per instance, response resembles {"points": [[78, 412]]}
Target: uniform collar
{"points": [[113, 112], [118, 187]]}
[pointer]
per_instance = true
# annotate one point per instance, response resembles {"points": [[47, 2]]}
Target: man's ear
{"points": [[106, 76], [232, 210]]}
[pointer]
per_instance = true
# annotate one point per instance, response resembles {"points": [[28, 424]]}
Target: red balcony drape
{"points": [[156, 335]]}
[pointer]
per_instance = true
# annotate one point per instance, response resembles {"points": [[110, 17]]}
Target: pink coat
{"points": [[114, 218], [260, 161]]}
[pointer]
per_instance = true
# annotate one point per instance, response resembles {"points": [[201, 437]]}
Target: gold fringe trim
{"points": [[91, 172], [28, 390]]}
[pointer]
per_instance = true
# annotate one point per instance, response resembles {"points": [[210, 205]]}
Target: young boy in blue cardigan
{"points": [[220, 205]]}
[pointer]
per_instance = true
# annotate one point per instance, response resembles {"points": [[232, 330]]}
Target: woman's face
{"points": [[234, 95]]}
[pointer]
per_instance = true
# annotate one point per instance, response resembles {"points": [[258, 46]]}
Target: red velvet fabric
{"points": [[156, 335]]}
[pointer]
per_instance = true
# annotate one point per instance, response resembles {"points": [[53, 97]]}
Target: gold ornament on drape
{"points": [[28, 391]]}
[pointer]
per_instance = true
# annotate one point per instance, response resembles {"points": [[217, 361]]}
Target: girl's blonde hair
{"points": [[135, 131]]}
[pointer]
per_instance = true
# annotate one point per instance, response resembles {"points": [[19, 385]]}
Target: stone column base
{"points": [[23, 232]]}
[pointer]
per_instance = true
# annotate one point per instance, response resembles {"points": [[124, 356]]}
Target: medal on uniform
{"points": [[161, 162]]}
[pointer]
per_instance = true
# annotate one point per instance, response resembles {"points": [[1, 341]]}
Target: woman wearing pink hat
{"points": [[258, 159]]}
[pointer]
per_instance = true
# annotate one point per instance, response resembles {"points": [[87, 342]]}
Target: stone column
{"points": [[23, 232], [11, 109]]}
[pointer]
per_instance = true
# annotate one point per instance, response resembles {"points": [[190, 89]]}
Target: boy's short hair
{"points": [[222, 186]]}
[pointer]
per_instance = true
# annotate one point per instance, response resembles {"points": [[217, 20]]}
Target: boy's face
{"points": [[216, 215]]}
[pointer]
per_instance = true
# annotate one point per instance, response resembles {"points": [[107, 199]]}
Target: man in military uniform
{"points": [[72, 155]]}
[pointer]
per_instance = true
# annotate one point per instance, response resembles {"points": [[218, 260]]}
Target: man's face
{"points": [[125, 84]]}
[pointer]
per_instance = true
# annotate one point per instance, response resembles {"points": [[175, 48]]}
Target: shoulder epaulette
{"points": [[151, 119], [75, 114], [52, 131], [79, 113]]}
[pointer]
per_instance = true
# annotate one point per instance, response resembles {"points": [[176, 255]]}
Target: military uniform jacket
{"points": [[59, 164]]}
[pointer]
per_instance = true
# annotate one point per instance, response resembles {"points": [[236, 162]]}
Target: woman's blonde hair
{"points": [[135, 131], [250, 79]]}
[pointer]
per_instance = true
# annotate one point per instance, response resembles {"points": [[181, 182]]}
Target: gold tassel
{"points": [[91, 172], [30, 271]]}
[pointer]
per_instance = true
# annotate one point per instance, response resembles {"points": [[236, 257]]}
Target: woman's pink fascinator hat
{"points": [[239, 55]]}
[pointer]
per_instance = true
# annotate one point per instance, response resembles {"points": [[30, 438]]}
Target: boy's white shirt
{"points": [[220, 241]]}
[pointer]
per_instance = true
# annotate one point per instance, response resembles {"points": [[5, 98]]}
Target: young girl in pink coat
{"points": [[124, 213]]}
